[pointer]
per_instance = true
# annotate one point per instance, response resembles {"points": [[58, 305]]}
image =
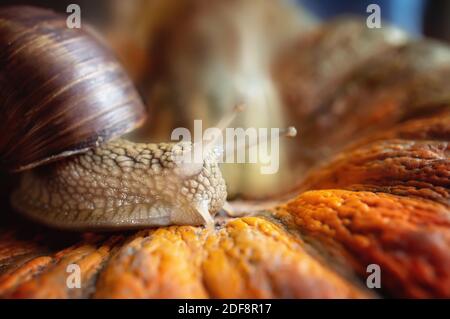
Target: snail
{"points": [[65, 102]]}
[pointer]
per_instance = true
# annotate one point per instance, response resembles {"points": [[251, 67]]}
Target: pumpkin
{"points": [[385, 203], [373, 190]]}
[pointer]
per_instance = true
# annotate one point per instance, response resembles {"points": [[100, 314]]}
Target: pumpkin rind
{"points": [[314, 246], [258, 258], [408, 238], [409, 160]]}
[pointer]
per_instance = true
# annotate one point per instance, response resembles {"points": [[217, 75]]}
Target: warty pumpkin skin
{"points": [[382, 200], [246, 257], [408, 160], [317, 245]]}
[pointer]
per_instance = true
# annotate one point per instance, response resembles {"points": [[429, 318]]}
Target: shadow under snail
{"points": [[65, 101]]}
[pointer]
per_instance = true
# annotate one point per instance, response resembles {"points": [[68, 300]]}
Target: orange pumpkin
{"points": [[385, 203]]}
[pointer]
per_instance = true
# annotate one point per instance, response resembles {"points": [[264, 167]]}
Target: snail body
{"points": [[65, 100], [122, 185]]}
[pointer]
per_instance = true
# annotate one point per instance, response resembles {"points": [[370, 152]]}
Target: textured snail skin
{"points": [[122, 185]]}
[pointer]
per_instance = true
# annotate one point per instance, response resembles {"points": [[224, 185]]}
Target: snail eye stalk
{"points": [[190, 161], [225, 122], [289, 131]]}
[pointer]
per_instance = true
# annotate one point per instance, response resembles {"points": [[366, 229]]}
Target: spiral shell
{"points": [[61, 90]]}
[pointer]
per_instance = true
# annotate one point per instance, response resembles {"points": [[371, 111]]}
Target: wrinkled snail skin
{"points": [[122, 185]]}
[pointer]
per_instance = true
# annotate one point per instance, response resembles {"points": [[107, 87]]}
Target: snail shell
{"points": [[61, 90]]}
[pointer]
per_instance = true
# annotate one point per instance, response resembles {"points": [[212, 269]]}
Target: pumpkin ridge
{"points": [[394, 165], [370, 244], [88, 256]]}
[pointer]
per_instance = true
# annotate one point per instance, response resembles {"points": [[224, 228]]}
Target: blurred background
{"points": [[195, 59], [419, 17]]}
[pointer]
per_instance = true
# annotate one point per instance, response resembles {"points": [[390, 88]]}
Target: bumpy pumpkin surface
{"points": [[382, 202], [382, 199]]}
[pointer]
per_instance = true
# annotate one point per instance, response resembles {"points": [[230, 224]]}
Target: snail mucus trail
{"points": [[123, 185]]}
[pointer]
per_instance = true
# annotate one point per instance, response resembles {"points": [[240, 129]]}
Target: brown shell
{"points": [[61, 90]]}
